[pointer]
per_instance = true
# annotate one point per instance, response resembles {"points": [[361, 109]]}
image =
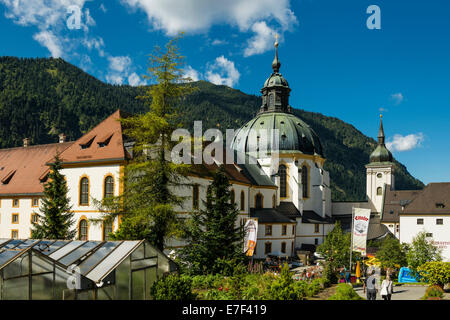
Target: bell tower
{"points": [[379, 172]]}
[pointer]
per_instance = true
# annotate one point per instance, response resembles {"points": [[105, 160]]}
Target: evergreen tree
{"points": [[213, 239], [55, 218], [147, 203]]}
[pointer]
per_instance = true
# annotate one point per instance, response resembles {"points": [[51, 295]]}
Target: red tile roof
{"points": [[22, 168], [89, 147]]}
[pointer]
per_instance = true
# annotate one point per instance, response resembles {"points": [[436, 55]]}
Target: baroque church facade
{"points": [[291, 199]]}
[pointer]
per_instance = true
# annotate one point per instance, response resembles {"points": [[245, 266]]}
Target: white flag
{"points": [[361, 218], [251, 232]]}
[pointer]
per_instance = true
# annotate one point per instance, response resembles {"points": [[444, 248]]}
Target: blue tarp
{"points": [[406, 276]]}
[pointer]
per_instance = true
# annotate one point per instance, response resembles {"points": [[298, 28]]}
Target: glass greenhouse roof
{"points": [[95, 259]]}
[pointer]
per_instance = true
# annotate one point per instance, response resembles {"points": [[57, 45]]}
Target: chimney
{"points": [[62, 138], [26, 142]]}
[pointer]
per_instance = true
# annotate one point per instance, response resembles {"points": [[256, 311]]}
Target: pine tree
{"points": [[213, 239], [147, 203], [55, 218]]}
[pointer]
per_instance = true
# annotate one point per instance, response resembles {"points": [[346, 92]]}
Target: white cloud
{"points": [[190, 72], [397, 98], [218, 42], [223, 72], [41, 13], [262, 40], [134, 80], [51, 42], [119, 69], [103, 8], [405, 143], [95, 43], [196, 16]]}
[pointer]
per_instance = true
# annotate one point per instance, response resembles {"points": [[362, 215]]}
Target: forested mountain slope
{"points": [[40, 98]]}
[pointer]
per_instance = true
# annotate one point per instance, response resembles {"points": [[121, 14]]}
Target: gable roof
{"points": [[22, 169], [394, 200], [434, 199], [103, 143]]}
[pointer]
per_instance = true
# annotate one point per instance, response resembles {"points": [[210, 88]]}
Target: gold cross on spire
{"points": [[276, 40]]}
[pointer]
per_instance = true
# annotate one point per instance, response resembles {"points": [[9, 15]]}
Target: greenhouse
{"points": [[79, 270]]}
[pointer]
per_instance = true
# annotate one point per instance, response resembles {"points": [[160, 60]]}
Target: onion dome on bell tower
{"points": [[381, 153], [276, 91]]}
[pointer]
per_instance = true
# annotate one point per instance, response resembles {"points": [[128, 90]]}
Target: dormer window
{"points": [[105, 141], [87, 144], [440, 205]]}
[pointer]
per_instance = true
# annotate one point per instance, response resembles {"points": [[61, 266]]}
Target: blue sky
{"points": [[334, 64]]}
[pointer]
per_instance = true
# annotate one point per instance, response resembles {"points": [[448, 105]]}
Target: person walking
{"points": [[386, 288], [371, 284]]}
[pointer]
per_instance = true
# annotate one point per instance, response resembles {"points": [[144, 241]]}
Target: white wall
{"points": [[25, 211], [441, 236]]}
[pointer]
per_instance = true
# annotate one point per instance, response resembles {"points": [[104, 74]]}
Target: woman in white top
{"points": [[386, 288]]}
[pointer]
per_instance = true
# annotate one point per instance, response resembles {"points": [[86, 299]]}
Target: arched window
{"points": [[233, 197], [195, 196], [242, 201], [305, 182], [283, 181], [274, 201], [271, 100], [83, 230], [259, 201], [84, 191], [379, 191], [283, 247], [107, 229], [108, 188]]}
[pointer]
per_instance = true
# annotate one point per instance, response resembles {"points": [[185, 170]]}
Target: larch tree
{"points": [[146, 206]]}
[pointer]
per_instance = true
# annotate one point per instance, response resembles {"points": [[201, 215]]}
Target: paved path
{"points": [[400, 293]]}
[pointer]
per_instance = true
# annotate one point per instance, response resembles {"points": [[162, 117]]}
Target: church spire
{"points": [[276, 64], [381, 138]]}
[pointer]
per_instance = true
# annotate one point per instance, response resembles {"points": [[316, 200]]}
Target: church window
{"points": [[268, 230], [379, 175], [83, 230], [316, 228], [108, 187], [195, 196], [84, 191], [107, 229], [274, 201], [305, 181], [284, 230], [283, 247], [316, 241], [379, 191], [283, 181], [293, 229], [242, 201], [267, 248], [259, 201], [232, 195], [271, 100]]}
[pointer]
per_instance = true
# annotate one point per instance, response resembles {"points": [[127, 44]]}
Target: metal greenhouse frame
{"points": [[79, 270]]}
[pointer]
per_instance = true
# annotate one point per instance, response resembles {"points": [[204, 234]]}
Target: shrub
{"points": [[433, 293], [313, 288], [173, 287], [435, 272], [345, 292], [206, 281], [329, 275]]}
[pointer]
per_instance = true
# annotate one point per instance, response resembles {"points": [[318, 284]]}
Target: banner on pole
{"points": [[361, 218], [251, 232]]}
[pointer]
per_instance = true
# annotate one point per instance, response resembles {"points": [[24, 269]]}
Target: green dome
{"points": [[294, 135], [276, 79], [381, 154]]}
